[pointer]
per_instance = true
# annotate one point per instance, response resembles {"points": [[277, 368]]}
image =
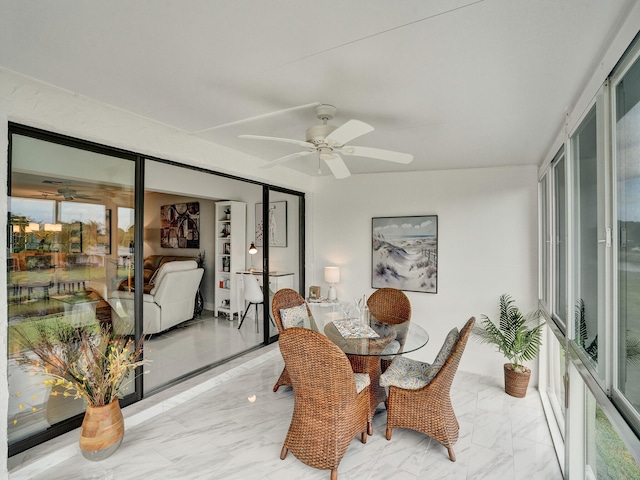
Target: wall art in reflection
{"points": [[180, 225]]}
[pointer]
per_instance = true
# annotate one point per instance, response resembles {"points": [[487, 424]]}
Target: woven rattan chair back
{"points": [[389, 305], [328, 412], [283, 299], [429, 410]]}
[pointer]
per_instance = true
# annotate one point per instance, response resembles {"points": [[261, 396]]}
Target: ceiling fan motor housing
{"points": [[316, 134]]}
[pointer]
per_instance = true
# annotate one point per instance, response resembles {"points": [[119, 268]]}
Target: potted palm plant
{"points": [[89, 362], [518, 337]]}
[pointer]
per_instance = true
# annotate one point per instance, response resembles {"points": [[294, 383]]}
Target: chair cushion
{"points": [[295, 317], [408, 374], [362, 380], [449, 342]]}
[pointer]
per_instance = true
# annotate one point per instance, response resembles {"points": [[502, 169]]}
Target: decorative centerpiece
{"points": [[87, 362], [518, 337]]}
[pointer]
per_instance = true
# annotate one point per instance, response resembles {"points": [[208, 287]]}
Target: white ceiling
{"points": [[456, 83]]}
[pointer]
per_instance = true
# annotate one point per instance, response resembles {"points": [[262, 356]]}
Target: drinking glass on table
{"points": [[346, 310]]}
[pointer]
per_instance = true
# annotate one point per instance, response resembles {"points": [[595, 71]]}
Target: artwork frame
{"points": [[277, 219], [180, 225], [404, 253], [314, 292]]}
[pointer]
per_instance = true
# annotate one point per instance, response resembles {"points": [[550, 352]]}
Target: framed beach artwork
{"points": [[276, 224], [405, 253]]}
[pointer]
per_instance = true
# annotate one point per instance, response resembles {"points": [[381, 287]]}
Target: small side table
{"points": [[324, 311]]}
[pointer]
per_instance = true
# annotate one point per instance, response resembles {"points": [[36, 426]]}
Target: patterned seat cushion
{"points": [[408, 374], [413, 375], [295, 317], [362, 380], [449, 342]]}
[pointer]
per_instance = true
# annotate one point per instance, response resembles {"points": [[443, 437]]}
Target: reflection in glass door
{"points": [[627, 154], [66, 256], [590, 240]]}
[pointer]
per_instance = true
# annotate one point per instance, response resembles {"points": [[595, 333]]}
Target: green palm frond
{"points": [[518, 337], [633, 351]]}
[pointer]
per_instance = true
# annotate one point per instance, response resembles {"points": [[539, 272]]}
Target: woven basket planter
{"points": [[516, 383]]}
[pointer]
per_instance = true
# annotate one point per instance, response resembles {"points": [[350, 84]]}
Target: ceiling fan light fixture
{"points": [[325, 153]]}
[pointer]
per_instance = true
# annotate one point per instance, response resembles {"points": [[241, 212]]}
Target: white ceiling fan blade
{"points": [[337, 166], [347, 132], [300, 143], [280, 160], [378, 153]]}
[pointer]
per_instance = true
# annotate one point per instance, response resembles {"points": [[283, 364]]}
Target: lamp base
{"points": [[331, 295]]}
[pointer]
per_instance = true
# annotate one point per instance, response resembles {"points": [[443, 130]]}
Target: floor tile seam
{"points": [[54, 458], [528, 439]]}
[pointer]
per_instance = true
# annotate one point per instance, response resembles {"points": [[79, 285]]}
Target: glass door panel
{"points": [[607, 456], [195, 215], [588, 249], [63, 262], [627, 154]]}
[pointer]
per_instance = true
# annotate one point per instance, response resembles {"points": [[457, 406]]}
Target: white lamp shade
{"points": [[32, 227], [332, 274]]}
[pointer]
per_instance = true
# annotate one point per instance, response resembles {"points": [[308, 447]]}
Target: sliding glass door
{"points": [[627, 157], [68, 247]]}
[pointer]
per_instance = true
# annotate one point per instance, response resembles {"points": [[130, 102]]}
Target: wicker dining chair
{"points": [[283, 299], [390, 305], [331, 403], [420, 393]]}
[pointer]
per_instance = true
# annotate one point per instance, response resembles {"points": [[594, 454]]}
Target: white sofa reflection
{"points": [[171, 300]]}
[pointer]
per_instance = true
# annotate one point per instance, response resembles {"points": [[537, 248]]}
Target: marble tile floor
{"points": [[207, 428]]}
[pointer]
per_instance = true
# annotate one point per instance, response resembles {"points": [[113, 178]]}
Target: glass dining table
{"points": [[365, 343]]}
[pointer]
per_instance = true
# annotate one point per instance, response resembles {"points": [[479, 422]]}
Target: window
{"points": [[560, 244], [545, 244], [587, 171], [627, 155]]}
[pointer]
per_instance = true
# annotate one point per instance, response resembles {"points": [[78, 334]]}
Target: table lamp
{"points": [[332, 276], [252, 251]]}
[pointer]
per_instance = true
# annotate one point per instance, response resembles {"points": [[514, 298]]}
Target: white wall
{"points": [[487, 243]]}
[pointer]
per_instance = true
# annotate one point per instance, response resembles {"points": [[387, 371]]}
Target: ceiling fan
{"points": [[68, 194], [330, 141]]}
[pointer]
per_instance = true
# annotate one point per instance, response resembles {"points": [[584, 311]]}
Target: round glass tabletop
{"points": [[376, 338]]}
